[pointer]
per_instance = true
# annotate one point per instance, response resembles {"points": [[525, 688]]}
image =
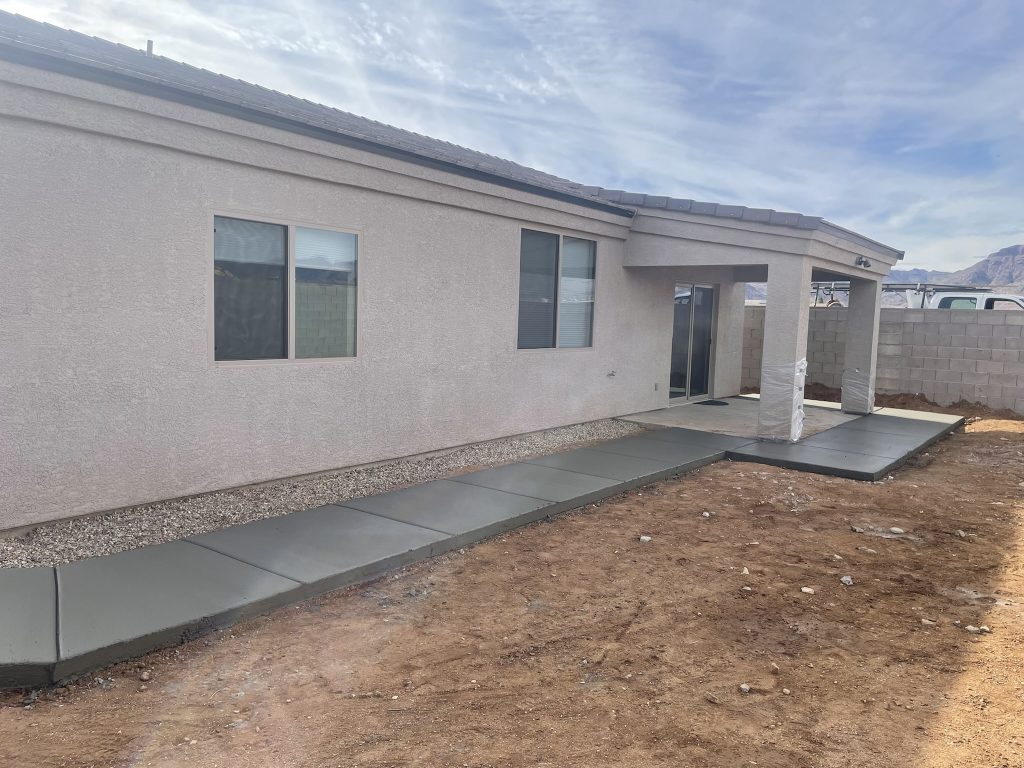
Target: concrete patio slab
{"points": [[696, 438], [893, 446], [856, 466], [808, 402], [28, 626], [127, 604], [738, 418], [901, 425], [538, 482], [325, 548], [903, 413], [685, 457], [461, 510], [610, 465]]}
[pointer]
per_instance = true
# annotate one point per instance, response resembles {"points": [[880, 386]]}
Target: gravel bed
{"points": [[65, 541]]}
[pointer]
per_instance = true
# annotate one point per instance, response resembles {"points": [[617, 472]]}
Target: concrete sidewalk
{"points": [[63, 621]]}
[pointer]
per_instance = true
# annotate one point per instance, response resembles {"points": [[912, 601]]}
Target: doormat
{"points": [[712, 402]]}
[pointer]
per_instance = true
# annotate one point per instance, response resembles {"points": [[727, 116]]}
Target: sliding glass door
{"points": [[692, 338]]}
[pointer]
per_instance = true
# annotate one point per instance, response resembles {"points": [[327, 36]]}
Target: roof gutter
{"points": [[867, 242], [82, 71]]}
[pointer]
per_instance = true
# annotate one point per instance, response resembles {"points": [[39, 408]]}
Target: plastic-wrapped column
{"points": [[858, 391], [782, 401]]}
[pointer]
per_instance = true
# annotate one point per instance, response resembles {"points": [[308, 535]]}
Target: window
{"points": [[255, 273], [250, 290], [1004, 304], [325, 293], [951, 302], [556, 291], [576, 293]]}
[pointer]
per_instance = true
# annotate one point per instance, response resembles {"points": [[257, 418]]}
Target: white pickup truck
{"points": [[953, 300]]}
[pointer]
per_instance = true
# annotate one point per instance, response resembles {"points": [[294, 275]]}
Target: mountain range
{"points": [[1002, 269]]}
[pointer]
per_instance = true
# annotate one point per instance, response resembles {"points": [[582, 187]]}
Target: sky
{"points": [[901, 120]]}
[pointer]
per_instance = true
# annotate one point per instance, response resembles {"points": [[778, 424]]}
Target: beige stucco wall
{"points": [[108, 392]]}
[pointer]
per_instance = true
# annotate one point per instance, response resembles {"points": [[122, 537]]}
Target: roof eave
{"points": [[859, 239], [757, 216], [42, 60]]}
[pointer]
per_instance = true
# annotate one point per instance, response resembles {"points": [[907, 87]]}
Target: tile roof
{"points": [[45, 46]]}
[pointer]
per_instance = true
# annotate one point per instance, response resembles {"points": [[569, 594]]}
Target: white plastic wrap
{"points": [[858, 391], [781, 412]]}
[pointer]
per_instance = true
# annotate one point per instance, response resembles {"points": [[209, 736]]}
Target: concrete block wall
{"points": [[325, 320], [945, 355], [753, 341], [826, 347]]}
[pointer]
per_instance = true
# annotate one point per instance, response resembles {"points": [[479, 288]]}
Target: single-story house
{"points": [[209, 284]]}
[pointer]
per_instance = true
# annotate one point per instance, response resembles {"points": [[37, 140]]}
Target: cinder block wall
{"points": [[318, 307], [946, 355]]}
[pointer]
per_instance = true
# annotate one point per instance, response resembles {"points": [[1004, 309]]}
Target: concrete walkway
{"points": [[63, 621]]}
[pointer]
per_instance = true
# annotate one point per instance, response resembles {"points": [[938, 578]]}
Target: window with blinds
{"points": [[250, 290], [556, 291], [576, 293], [254, 276]]}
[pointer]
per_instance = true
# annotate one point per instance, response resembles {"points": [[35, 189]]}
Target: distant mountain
{"points": [[1003, 268], [916, 276]]}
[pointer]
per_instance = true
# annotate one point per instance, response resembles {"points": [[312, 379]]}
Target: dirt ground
{"points": [[573, 643], [913, 403]]}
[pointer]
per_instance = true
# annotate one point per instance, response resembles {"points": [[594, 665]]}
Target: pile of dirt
{"points": [[917, 403]]}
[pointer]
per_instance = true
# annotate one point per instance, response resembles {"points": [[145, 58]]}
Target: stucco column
{"points": [[728, 363], [861, 345], [784, 358]]}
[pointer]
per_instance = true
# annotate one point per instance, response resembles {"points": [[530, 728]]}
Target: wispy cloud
{"points": [[900, 120]]}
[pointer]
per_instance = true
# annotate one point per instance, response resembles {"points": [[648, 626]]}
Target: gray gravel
{"points": [[102, 534]]}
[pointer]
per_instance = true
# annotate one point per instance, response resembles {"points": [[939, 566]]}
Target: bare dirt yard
{"points": [[573, 643]]}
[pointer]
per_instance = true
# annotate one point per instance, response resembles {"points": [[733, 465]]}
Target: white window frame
{"points": [[558, 290], [290, 225]]}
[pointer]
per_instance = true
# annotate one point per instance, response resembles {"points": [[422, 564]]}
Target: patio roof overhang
{"points": [[672, 239]]}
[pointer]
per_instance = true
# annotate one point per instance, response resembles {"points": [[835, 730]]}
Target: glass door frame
{"points": [[689, 398]]}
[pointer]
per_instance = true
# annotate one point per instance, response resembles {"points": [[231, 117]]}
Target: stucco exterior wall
{"points": [[946, 355], [109, 395]]}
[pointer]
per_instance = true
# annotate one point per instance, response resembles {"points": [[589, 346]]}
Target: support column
{"points": [[861, 345], [727, 368], [784, 358]]}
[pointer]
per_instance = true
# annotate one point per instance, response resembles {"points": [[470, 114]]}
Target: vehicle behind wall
{"points": [[976, 299]]}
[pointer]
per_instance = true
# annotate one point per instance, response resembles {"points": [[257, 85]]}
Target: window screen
{"points": [[250, 290], [538, 286], [325, 293], [576, 293]]}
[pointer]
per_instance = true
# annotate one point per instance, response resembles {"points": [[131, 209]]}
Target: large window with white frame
{"points": [[556, 290], [282, 292]]}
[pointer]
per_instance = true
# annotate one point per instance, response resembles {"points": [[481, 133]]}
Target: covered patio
{"points": [[738, 416], [726, 247]]}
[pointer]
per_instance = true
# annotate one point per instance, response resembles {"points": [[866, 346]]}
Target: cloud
{"points": [[901, 121]]}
